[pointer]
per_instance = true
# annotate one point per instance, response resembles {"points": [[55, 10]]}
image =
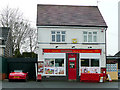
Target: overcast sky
{"points": [[108, 8]]}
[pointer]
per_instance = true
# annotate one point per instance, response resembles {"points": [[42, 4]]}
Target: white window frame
{"points": [[87, 35], [89, 56], [54, 56], [61, 34]]}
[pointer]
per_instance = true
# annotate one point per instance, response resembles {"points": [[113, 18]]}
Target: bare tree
{"points": [[19, 27], [31, 40]]}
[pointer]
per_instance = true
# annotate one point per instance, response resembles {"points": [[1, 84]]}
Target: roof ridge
{"points": [[66, 5]]}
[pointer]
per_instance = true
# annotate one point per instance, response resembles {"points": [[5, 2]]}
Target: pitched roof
{"points": [[117, 54], [69, 15]]}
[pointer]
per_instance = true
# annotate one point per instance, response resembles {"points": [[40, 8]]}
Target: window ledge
{"points": [[58, 43], [92, 43]]}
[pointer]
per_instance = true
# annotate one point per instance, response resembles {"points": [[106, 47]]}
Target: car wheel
{"points": [[9, 80], [26, 79]]}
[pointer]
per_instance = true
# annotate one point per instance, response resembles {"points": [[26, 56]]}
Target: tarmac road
{"points": [[58, 84]]}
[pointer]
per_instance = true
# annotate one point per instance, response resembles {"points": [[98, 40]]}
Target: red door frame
{"points": [[72, 69]]}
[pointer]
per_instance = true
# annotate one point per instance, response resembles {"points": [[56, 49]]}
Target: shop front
{"points": [[68, 64]]}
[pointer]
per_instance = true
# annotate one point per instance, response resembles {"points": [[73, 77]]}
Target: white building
{"points": [[71, 40]]}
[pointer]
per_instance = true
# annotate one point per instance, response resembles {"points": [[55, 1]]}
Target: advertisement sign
{"points": [[49, 70], [90, 69], [49, 63], [59, 70], [40, 67]]}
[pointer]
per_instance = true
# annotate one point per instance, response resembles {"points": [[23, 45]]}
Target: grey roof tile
{"points": [[69, 15]]}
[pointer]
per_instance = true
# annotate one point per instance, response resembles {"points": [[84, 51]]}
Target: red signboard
{"points": [[71, 50]]}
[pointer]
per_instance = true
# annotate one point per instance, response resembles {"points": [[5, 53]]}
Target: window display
{"points": [[90, 69], [49, 62], [56, 71], [89, 65], [54, 66], [59, 70], [49, 70]]}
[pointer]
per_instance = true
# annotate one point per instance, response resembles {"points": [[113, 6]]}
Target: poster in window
{"points": [[49, 62], [61, 70], [84, 70], [90, 70], [49, 70], [40, 67], [56, 71], [56, 64]]}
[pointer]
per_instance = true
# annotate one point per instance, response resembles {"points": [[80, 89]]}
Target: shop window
{"points": [[49, 62], [85, 62], [90, 62], [58, 36], [89, 36], [59, 62], [94, 62], [49, 70], [54, 67]]}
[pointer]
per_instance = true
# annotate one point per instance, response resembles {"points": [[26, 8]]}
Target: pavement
{"points": [[58, 84]]}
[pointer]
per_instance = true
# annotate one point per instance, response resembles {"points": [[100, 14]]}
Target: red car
{"points": [[18, 75]]}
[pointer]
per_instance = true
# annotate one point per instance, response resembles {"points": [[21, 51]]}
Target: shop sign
{"points": [[71, 50], [71, 58]]}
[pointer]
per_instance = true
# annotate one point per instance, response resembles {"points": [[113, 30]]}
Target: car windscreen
{"points": [[17, 70]]}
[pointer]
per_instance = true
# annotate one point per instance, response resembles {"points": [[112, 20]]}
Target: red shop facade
{"points": [[69, 64]]}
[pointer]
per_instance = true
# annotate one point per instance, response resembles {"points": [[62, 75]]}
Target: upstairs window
{"points": [[89, 36], [58, 36]]}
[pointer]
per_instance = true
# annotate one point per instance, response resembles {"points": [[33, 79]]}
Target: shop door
{"points": [[72, 66]]}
